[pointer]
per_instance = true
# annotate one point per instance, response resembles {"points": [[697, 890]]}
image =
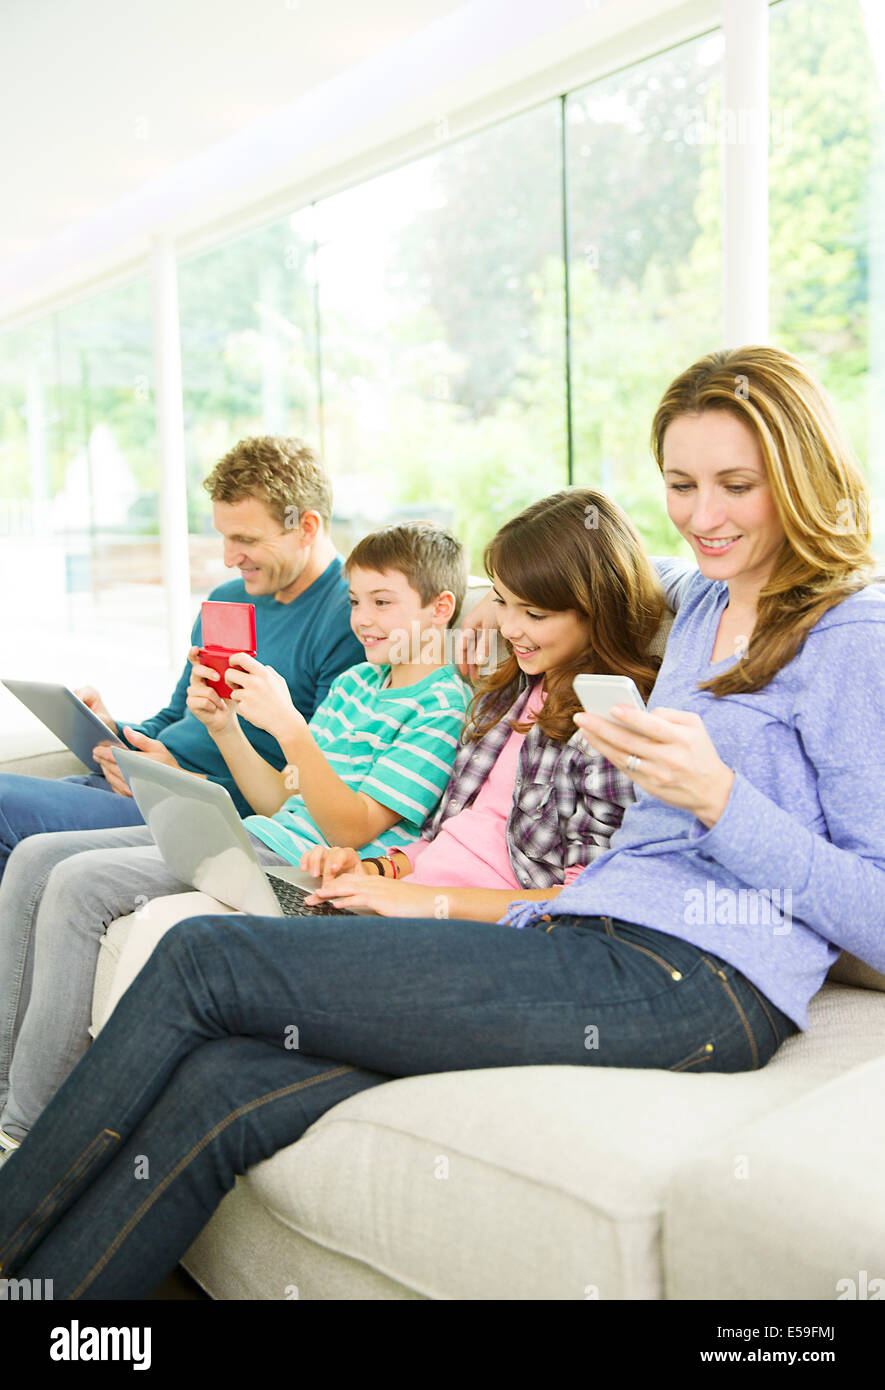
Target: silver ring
{"points": [[632, 763]]}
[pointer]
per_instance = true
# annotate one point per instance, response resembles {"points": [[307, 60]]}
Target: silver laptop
{"points": [[197, 830], [66, 716]]}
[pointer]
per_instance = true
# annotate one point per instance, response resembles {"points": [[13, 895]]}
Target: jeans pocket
{"points": [[751, 1037], [32, 1228], [699, 1056], [673, 971]]}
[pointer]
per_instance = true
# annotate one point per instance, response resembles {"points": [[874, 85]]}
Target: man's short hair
{"points": [[429, 556], [284, 473]]}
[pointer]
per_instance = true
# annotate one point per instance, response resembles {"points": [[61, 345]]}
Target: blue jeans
{"points": [[34, 805], [240, 1032]]}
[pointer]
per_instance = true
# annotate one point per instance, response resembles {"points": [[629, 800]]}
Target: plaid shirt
{"points": [[567, 800]]}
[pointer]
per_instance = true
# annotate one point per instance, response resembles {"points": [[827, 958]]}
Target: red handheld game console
{"points": [[227, 628]]}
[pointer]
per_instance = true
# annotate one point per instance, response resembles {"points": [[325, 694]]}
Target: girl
{"points": [[758, 765], [528, 805]]}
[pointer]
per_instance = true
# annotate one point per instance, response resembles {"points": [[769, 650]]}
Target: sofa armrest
{"points": [[55, 763]]}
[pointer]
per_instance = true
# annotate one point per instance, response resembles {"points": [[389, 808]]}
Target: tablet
{"points": [[67, 717]]}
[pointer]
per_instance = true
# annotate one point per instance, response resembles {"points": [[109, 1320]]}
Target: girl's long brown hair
{"points": [[817, 486], [574, 551]]}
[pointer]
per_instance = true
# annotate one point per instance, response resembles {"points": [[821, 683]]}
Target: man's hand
{"points": [[261, 695], [678, 762], [477, 638], [150, 747], [92, 700]]}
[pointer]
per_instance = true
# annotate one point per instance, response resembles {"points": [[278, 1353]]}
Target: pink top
{"points": [[470, 849]]}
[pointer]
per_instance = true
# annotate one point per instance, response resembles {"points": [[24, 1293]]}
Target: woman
{"points": [[776, 660]]}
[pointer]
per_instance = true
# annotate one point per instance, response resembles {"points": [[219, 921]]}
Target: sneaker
{"points": [[7, 1143]]}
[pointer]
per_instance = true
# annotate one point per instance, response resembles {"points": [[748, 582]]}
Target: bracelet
{"points": [[379, 864], [392, 862]]}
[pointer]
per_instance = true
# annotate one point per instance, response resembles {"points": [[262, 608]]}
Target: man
{"points": [[272, 503]]}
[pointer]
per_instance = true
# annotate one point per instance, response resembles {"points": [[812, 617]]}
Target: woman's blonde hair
{"points": [[574, 551], [816, 485]]}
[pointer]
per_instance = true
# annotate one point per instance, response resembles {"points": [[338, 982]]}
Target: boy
{"points": [[372, 763], [376, 757]]}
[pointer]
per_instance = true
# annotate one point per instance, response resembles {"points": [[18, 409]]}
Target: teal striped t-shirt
{"points": [[396, 745]]}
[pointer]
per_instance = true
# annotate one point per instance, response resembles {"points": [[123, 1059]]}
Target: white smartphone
{"points": [[598, 693]]}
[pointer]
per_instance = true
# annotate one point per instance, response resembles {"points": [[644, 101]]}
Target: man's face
{"points": [[269, 557]]}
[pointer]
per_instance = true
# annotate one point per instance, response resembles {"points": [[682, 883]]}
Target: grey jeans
{"points": [[59, 894]]}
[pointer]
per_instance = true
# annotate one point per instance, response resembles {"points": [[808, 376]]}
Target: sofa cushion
{"points": [[795, 1197], [520, 1183], [848, 970]]}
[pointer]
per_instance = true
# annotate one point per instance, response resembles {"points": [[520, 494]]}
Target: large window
{"points": [[248, 360], [443, 331], [827, 210], [645, 263], [80, 557]]}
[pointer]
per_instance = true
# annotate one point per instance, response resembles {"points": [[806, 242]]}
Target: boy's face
{"points": [[386, 612]]}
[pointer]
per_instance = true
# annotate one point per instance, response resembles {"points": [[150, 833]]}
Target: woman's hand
{"points": [[678, 762], [325, 863], [389, 897], [476, 639], [261, 695], [204, 701]]}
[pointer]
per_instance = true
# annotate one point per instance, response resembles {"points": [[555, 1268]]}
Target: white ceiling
{"points": [[127, 121], [100, 96]]}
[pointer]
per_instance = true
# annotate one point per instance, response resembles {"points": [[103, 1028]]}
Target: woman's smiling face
{"points": [[719, 497], [541, 640]]}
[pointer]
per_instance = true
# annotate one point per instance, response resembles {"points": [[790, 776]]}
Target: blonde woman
{"points": [[758, 768]]}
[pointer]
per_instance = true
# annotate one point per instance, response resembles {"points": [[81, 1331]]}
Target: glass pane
{"points": [[442, 321], [248, 361], [827, 210], [78, 501], [644, 192]]}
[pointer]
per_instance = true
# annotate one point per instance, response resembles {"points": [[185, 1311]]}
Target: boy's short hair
{"points": [[429, 556], [283, 472]]}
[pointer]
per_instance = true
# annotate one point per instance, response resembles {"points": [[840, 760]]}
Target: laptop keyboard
{"points": [[291, 899]]}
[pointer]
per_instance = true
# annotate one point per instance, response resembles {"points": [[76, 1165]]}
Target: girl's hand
{"points": [[389, 897], [677, 760], [203, 699], [326, 863], [262, 696]]}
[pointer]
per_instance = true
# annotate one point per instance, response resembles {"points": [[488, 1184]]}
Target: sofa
{"points": [[570, 1182]]}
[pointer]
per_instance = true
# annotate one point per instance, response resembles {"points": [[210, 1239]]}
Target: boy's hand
{"points": [[204, 701], [262, 696], [474, 643], [327, 864]]}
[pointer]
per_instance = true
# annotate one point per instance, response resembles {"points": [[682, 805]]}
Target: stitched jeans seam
{"points": [[192, 1154], [754, 1047], [48, 1202]]}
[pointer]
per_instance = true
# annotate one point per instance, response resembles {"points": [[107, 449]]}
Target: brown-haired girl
{"points": [[528, 804]]}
